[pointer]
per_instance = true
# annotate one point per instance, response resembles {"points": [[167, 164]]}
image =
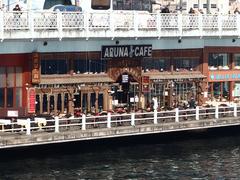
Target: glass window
{"points": [[92, 102], [217, 89], [156, 64], [94, 66], [45, 103], [50, 3], [158, 91], [66, 101], [218, 61], [18, 97], [54, 67], [185, 64], [37, 104], [10, 76], [237, 61], [100, 4], [59, 102], [18, 76], [237, 89], [2, 77], [52, 103], [226, 90], [142, 5], [100, 102], [9, 97], [2, 97]]}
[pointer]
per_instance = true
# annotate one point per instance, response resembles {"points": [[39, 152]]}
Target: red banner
{"points": [[31, 100]]}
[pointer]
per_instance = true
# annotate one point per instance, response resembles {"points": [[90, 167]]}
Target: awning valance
{"points": [[176, 76], [75, 79]]}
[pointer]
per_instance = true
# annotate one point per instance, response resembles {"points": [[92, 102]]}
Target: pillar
{"points": [[105, 100], [41, 102], [88, 102], [96, 102], [81, 103], [48, 103], [70, 103], [231, 90], [110, 107], [62, 105], [55, 104], [170, 96]]}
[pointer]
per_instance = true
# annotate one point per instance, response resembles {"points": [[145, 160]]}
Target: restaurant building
{"points": [[117, 75], [223, 73]]}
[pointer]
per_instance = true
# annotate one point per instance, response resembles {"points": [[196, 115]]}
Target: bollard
{"points": [[83, 122], [56, 124], [235, 110], [197, 113], [132, 119], [177, 115], [155, 116], [216, 112], [28, 126], [109, 120]]}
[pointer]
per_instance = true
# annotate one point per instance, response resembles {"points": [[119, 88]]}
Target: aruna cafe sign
{"points": [[130, 51]]}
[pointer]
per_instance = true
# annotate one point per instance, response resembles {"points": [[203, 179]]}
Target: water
{"points": [[208, 155]]}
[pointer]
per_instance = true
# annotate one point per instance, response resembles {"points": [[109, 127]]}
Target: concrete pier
{"points": [[21, 139]]}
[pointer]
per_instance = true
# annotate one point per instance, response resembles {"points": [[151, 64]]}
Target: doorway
{"points": [[127, 91]]}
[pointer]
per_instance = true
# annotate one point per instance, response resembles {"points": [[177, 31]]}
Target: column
{"points": [[170, 96], [41, 103], [81, 103], [48, 103], [105, 100], [88, 102], [96, 102], [55, 104], [110, 103], [231, 90], [62, 105], [70, 103]]}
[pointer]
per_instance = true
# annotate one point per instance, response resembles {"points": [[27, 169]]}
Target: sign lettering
{"points": [[131, 51], [31, 100]]}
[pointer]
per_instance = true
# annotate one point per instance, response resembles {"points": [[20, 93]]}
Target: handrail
{"points": [[115, 120], [117, 24]]}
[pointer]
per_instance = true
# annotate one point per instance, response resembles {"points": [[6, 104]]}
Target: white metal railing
{"points": [[115, 120], [39, 24]]}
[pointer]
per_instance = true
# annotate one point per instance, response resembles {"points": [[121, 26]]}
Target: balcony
{"points": [[129, 24]]}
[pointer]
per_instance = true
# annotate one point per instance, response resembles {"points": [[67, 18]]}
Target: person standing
{"points": [[17, 15]]}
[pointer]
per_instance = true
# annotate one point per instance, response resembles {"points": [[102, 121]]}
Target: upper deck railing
{"points": [[45, 24]]}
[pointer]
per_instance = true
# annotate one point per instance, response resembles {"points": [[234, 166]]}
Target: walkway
{"points": [[41, 131]]}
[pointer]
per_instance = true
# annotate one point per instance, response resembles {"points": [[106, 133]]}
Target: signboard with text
{"points": [[215, 76], [126, 51], [31, 100]]}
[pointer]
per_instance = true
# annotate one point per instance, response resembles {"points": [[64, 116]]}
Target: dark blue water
{"points": [[207, 155]]}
